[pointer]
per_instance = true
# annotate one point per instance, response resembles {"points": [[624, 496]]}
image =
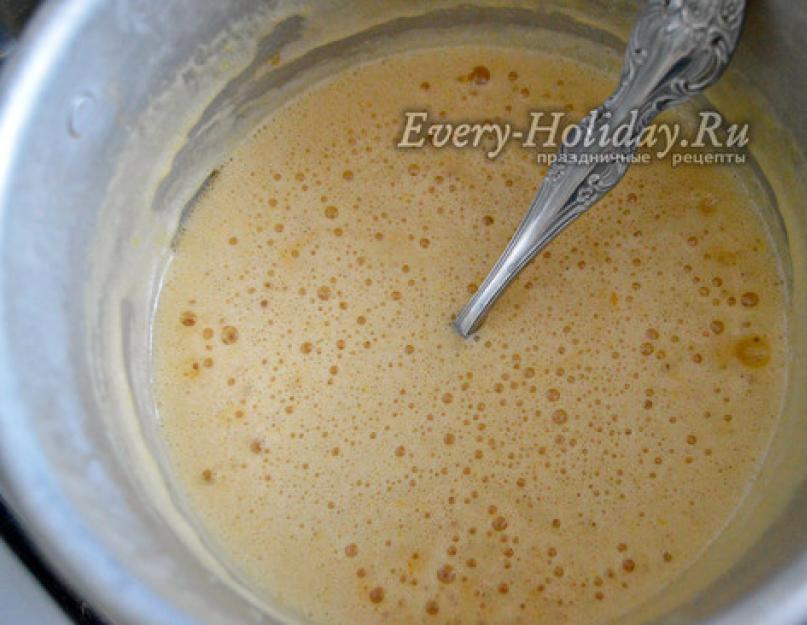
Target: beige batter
{"points": [[360, 463]]}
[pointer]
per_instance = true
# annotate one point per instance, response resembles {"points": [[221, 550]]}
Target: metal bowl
{"points": [[112, 115]]}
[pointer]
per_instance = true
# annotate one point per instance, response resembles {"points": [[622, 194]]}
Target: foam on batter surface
{"points": [[360, 462]]}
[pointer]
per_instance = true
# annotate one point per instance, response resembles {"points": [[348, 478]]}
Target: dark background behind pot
{"points": [[14, 14]]}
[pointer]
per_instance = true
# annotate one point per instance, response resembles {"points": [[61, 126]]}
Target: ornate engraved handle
{"points": [[677, 49]]}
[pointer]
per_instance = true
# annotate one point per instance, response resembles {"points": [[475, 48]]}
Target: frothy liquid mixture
{"points": [[361, 463]]}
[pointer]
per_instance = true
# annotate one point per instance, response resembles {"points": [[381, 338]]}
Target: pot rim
{"points": [[54, 525]]}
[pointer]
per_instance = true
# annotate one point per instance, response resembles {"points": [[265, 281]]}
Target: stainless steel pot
{"points": [[112, 115]]}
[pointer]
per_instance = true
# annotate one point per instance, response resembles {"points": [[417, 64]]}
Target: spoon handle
{"points": [[677, 49]]}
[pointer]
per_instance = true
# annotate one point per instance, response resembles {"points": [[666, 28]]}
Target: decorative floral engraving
{"points": [[677, 49]]}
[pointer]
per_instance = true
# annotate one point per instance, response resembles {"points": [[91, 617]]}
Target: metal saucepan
{"points": [[112, 115]]}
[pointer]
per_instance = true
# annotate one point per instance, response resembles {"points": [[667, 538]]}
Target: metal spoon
{"points": [[677, 49]]}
